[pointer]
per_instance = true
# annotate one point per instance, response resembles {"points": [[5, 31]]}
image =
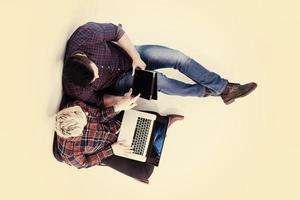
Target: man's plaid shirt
{"points": [[96, 41], [95, 143]]}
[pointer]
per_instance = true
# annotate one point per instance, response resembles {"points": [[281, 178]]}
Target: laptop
{"points": [[145, 133]]}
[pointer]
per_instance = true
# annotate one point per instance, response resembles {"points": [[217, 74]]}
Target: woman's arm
{"points": [[85, 161]]}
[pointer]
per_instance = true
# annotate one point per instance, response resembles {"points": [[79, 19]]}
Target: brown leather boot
{"points": [[173, 118], [236, 90]]}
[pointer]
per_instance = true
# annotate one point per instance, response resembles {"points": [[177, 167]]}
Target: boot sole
{"points": [[243, 95], [142, 181]]}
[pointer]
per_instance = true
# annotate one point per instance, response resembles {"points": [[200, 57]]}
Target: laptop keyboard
{"points": [[140, 135]]}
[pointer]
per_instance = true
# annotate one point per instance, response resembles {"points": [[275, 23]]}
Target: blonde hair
{"points": [[70, 122]]}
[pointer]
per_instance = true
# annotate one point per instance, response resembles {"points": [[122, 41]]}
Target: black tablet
{"points": [[145, 83]]}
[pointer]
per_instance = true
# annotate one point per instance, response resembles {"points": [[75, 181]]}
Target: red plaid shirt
{"points": [[95, 143], [95, 40]]}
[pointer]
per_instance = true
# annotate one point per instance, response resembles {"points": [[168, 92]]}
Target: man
{"points": [[87, 136], [100, 60]]}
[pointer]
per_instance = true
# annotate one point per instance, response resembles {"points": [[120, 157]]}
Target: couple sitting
{"points": [[99, 64]]}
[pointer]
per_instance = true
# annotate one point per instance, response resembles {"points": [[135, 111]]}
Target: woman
{"points": [[87, 136]]}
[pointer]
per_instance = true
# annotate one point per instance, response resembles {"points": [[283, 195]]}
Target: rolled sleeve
{"points": [[106, 31], [120, 32]]}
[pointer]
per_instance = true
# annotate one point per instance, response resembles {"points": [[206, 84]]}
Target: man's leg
{"points": [[157, 57], [164, 84], [207, 83]]}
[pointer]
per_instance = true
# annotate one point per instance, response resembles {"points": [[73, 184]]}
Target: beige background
{"points": [[248, 150]]}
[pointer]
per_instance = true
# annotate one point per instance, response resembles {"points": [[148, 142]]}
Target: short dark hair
{"points": [[76, 69]]}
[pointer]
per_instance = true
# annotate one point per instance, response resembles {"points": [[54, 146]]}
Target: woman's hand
{"points": [[120, 149], [126, 102]]}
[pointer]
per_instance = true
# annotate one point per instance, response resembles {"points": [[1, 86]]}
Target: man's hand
{"points": [[137, 62], [121, 149], [126, 102]]}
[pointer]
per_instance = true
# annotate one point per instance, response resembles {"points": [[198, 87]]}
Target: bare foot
{"points": [[173, 118]]}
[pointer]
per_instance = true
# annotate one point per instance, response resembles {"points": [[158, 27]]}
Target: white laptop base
{"points": [[127, 130]]}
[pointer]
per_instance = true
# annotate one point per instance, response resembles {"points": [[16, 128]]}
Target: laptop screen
{"points": [[157, 142]]}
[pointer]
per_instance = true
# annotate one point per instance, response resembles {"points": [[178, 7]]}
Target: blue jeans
{"points": [[158, 57]]}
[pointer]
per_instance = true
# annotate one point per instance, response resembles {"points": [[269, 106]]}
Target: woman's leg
{"points": [[136, 169], [132, 168]]}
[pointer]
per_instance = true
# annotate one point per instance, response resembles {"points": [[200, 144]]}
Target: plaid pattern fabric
{"points": [[95, 40], [95, 143]]}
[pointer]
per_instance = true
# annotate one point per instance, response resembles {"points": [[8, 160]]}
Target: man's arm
{"points": [[105, 31], [86, 94], [127, 45], [112, 32]]}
